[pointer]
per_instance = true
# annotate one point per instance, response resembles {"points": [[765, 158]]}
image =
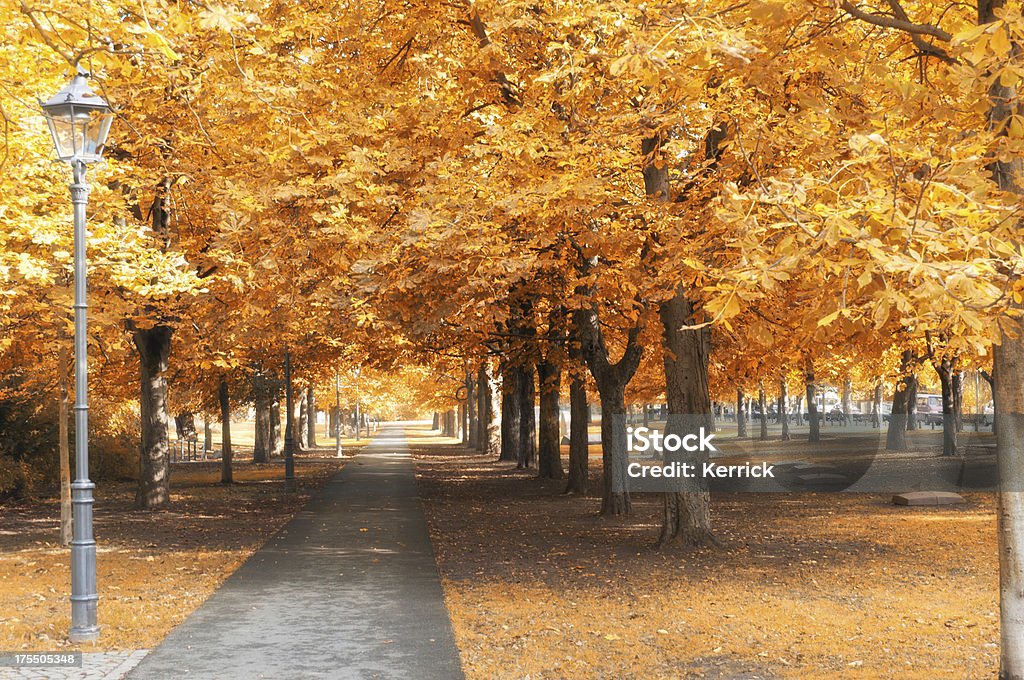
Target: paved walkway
{"points": [[348, 589]]}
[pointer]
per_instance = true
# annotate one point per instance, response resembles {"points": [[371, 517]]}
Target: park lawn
{"points": [[153, 568], [243, 435], [803, 586]]}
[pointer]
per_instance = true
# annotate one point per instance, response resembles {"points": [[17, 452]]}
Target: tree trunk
{"points": [[335, 418], [226, 472], [290, 424], [784, 407], [487, 409], [611, 382], [64, 451], [1008, 395], [207, 434], [510, 399], [686, 514], [848, 401], [876, 406], [615, 497], [276, 440], [812, 406], [763, 405], [549, 449], [483, 397], [464, 417], [896, 437], [154, 349], [990, 378], [527, 418], [579, 438], [741, 416], [958, 400], [1008, 398], [946, 369], [472, 409], [303, 424], [262, 445], [311, 414], [912, 401], [492, 421], [978, 409]]}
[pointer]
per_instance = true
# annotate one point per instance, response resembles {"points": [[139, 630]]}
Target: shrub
{"points": [[17, 478], [29, 445]]}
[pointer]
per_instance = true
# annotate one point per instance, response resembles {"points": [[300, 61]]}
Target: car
{"points": [[836, 415], [929, 409]]}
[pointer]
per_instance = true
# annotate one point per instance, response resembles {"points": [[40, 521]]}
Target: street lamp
{"points": [[359, 423], [337, 414], [289, 426], [79, 120]]}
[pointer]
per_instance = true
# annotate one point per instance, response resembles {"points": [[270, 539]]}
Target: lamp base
{"points": [[89, 634]]}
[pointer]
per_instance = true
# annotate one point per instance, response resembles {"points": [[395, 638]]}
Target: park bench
{"points": [[189, 449]]}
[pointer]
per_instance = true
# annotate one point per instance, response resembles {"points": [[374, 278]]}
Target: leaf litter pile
{"points": [[153, 568], [802, 586]]}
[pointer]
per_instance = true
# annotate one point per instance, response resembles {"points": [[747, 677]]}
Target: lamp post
{"points": [[79, 121], [289, 428], [337, 414], [359, 423]]}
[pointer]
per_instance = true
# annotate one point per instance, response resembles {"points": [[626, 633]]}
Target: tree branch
{"points": [[901, 22], [44, 36], [633, 353]]}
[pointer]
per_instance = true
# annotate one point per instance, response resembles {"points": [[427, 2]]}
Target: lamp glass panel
{"points": [[91, 128], [83, 128], [63, 133], [104, 119]]}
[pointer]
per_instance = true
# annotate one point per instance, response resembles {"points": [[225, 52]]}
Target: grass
{"points": [[243, 434], [803, 585], [153, 568]]}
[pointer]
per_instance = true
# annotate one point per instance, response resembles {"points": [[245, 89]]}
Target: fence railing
{"points": [[195, 450]]}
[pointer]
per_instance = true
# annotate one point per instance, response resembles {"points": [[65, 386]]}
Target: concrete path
{"points": [[348, 589]]}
